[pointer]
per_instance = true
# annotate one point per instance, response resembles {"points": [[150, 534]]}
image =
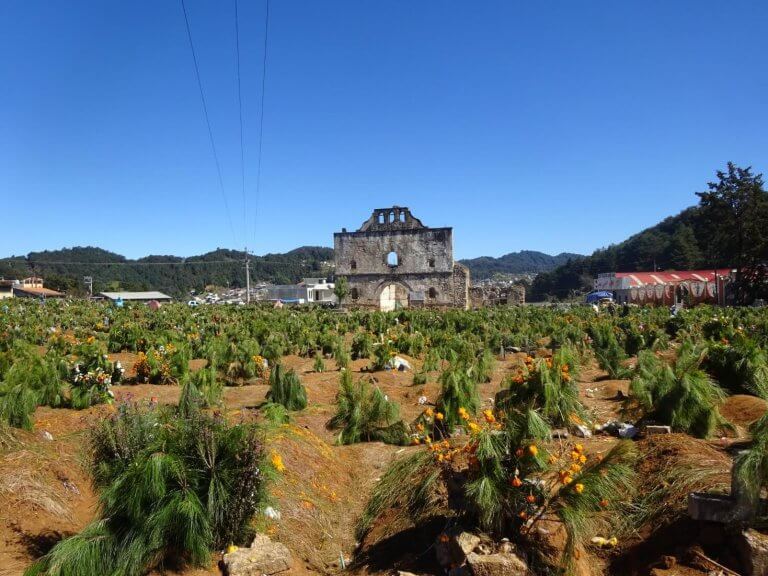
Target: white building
{"points": [[309, 291]]}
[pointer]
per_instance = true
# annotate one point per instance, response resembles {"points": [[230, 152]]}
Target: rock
{"points": [[497, 565], [467, 542], [47, 436], [263, 557], [452, 547], [651, 430], [752, 547], [560, 433], [582, 431]]}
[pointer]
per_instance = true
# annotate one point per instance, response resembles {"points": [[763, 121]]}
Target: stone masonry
{"points": [[393, 261]]}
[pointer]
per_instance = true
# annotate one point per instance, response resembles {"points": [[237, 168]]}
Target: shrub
{"points": [[545, 385], [285, 388], [458, 394], [679, 394], [608, 351], [362, 346], [173, 487], [364, 414]]}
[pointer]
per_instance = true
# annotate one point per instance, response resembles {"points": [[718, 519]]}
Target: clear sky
{"points": [[553, 126]]}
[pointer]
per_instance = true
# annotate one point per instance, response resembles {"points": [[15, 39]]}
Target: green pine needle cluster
{"points": [[679, 394], [173, 487], [364, 414], [285, 388]]}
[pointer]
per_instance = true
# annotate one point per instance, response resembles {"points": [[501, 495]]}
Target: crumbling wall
{"points": [[393, 247]]}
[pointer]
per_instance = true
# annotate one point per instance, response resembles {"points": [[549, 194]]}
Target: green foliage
{"points": [[362, 346], [364, 414], [679, 394], [173, 487], [608, 351], [285, 388], [32, 380], [220, 268], [545, 387], [319, 365], [275, 413], [458, 391], [341, 289]]}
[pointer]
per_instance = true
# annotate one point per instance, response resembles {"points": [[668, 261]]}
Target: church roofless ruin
{"points": [[393, 261]]}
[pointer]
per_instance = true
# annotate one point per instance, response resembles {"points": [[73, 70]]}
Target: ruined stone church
{"points": [[393, 261]]}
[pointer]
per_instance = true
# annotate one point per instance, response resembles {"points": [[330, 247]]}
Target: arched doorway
{"points": [[393, 297]]}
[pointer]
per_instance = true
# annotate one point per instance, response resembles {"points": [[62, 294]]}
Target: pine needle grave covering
{"points": [[173, 488]]}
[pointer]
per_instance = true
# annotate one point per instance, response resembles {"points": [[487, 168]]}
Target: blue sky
{"points": [[557, 126]]}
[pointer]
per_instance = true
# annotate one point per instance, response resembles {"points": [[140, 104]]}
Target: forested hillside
{"points": [[64, 269], [525, 261], [728, 228]]}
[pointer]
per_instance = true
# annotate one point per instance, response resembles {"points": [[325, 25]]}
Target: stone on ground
{"points": [[263, 557], [497, 565]]}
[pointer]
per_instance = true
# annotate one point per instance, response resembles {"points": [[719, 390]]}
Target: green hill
{"points": [[728, 228], [64, 269], [525, 261]]}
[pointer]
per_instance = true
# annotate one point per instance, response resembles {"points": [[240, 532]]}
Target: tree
{"points": [[685, 253], [341, 289], [735, 209]]}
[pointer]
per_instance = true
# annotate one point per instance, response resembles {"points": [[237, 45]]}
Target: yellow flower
{"points": [[474, 428], [579, 488], [439, 416], [428, 413], [579, 448], [277, 462], [532, 450], [231, 548], [489, 417], [583, 458], [567, 480]]}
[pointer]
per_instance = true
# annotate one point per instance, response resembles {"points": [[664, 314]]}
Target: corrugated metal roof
{"points": [[151, 295]]}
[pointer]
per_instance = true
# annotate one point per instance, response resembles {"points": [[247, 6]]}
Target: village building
{"points": [[309, 291], [393, 261], [144, 297], [666, 288], [27, 288]]}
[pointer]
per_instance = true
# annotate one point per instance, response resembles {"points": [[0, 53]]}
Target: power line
{"points": [[240, 109], [183, 263], [261, 120], [208, 121]]}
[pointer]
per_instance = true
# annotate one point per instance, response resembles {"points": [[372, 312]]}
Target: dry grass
{"points": [[26, 488]]}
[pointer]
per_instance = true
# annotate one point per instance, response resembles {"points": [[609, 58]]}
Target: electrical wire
{"points": [[240, 110], [208, 121], [261, 122]]}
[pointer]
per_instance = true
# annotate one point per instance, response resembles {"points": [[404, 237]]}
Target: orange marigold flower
{"points": [[516, 482]]}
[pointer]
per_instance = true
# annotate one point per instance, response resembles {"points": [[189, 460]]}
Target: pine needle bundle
{"points": [[678, 394], [285, 388], [364, 414], [173, 487]]}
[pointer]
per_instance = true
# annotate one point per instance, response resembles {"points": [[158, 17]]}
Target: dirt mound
{"points": [[657, 527], [743, 409]]}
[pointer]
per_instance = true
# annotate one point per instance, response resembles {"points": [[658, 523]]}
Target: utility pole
{"points": [[88, 281], [247, 277]]}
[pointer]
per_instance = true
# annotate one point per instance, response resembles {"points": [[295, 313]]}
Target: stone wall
{"points": [[395, 248]]}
